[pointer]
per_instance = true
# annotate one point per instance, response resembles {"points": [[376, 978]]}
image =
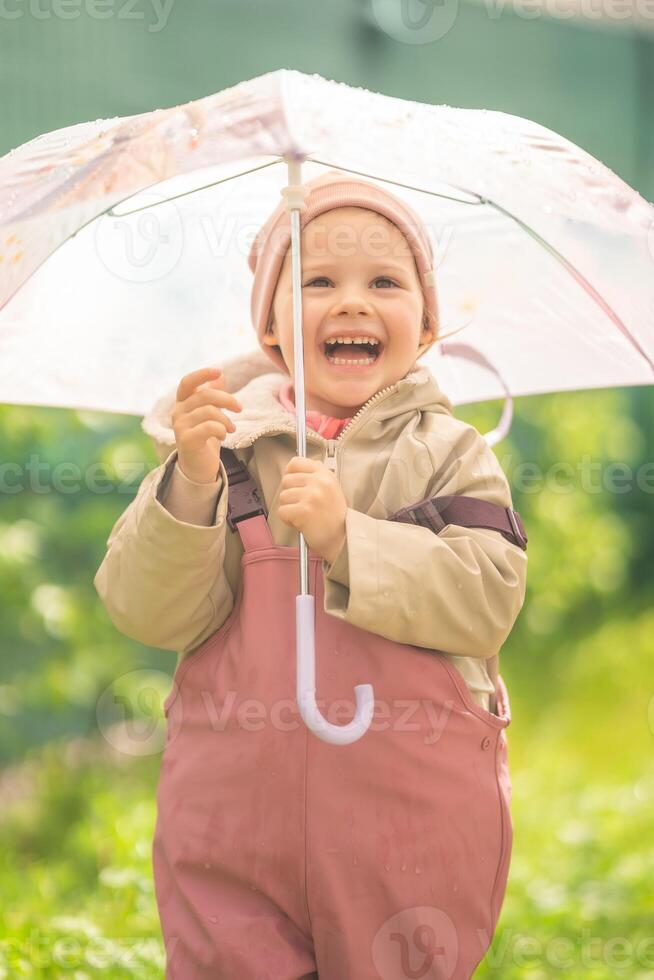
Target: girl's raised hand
{"points": [[200, 424]]}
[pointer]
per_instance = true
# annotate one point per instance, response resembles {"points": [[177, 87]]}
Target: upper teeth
{"points": [[352, 340]]}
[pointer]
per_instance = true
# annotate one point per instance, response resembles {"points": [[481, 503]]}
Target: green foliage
{"points": [[77, 811], [76, 878]]}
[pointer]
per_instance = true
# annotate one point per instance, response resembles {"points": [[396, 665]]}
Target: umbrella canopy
{"points": [[544, 257]]}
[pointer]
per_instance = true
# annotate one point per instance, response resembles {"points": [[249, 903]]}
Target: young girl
{"points": [[275, 853]]}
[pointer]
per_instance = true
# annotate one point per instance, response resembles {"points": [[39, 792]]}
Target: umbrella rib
{"points": [[175, 197], [123, 214], [149, 207], [581, 279], [409, 187]]}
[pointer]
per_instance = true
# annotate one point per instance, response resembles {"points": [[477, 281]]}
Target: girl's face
{"points": [[359, 279]]}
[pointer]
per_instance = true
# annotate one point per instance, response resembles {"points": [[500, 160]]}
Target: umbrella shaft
{"points": [[298, 346]]}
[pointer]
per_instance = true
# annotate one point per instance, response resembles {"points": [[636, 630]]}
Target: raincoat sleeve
{"points": [[458, 591], [162, 580]]}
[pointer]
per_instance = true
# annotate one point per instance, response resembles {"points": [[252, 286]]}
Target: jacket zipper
{"points": [[330, 458]]}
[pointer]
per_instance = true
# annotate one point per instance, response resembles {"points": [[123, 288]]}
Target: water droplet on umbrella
{"points": [[388, 867], [418, 870], [403, 866]]}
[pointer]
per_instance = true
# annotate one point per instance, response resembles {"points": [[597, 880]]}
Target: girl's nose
{"points": [[353, 302]]}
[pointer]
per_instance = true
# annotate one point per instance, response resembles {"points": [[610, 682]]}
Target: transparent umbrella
{"points": [[116, 233]]}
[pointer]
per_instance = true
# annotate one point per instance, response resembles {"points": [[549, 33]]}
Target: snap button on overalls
{"points": [[278, 855]]}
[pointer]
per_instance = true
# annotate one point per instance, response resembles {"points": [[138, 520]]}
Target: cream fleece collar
{"points": [[253, 377]]}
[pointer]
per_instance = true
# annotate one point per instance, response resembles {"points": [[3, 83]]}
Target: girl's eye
{"points": [[325, 279]]}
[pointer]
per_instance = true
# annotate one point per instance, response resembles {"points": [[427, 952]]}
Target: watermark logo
{"points": [[144, 246], [130, 715], [415, 21], [417, 942]]}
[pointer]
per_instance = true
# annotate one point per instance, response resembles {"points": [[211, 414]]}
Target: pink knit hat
{"points": [[326, 192]]}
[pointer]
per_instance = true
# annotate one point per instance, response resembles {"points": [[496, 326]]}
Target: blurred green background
{"points": [[80, 705]]}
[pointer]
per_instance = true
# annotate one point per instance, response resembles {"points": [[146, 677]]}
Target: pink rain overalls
{"points": [[278, 855]]}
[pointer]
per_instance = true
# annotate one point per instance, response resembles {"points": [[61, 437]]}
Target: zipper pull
{"points": [[330, 457]]}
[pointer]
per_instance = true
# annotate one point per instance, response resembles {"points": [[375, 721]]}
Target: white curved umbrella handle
{"points": [[306, 684]]}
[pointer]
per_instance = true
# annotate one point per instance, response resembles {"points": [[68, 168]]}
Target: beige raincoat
{"points": [[170, 576]]}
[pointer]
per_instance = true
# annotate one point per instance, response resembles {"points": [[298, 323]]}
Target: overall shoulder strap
{"points": [[437, 512], [244, 499]]}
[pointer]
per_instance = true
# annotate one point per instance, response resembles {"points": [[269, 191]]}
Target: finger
{"points": [[292, 512], [189, 382], [212, 396], [300, 464], [291, 495], [287, 518], [295, 479], [197, 436], [205, 412]]}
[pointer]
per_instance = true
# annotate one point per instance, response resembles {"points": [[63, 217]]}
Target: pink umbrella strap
{"points": [[471, 354]]}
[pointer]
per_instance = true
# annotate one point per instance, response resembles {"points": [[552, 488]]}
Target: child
{"points": [[277, 854]]}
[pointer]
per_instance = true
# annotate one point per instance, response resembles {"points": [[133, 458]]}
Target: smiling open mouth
{"points": [[352, 355]]}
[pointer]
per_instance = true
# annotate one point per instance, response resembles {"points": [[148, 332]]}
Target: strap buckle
{"points": [[518, 528], [244, 502]]}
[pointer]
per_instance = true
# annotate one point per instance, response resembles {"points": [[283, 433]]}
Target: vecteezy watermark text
{"points": [[42, 476], [131, 715], [154, 12], [586, 475], [68, 952], [426, 21]]}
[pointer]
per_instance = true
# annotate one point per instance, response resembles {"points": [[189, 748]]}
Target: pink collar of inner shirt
{"points": [[324, 425]]}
